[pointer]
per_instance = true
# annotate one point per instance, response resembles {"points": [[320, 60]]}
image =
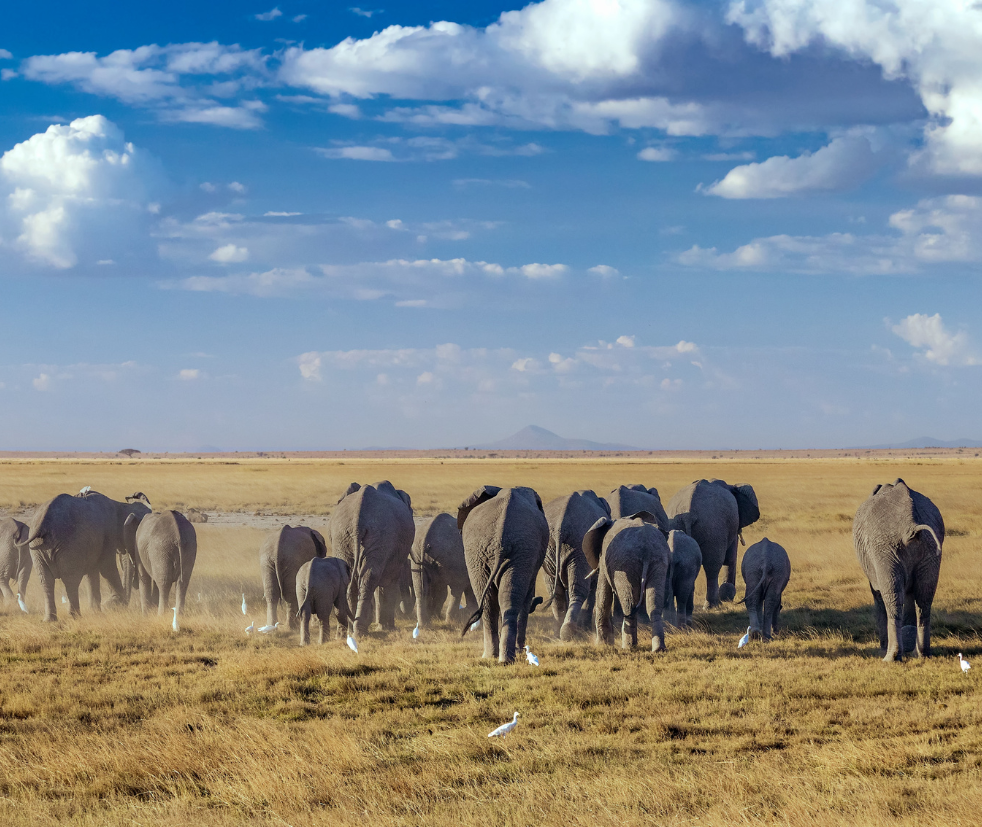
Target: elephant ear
{"points": [[481, 495], [645, 516], [875, 490], [593, 541], [319, 543], [538, 501], [605, 505], [139, 496], [654, 493], [350, 490], [405, 497], [746, 504], [22, 534]]}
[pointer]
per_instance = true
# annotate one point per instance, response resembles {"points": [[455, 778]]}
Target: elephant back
{"points": [[381, 516], [438, 542], [892, 515], [635, 546], [630, 499], [570, 517]]}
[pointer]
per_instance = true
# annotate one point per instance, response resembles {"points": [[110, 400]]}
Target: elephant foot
{"points": [[568, 632], [727, 592], [50, 619], [658, 646], [893, 656]]}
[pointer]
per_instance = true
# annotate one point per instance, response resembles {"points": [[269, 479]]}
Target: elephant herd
{"points": [[616, 558]]}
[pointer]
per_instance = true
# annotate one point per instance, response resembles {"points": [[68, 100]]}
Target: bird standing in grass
{"points": [[745, 639], [352, 645], [175, 625], [532, 659], [416, 631], [267, 629], [504, 729], [245, 609], [251, 627], [964, 664], [21, 603]]}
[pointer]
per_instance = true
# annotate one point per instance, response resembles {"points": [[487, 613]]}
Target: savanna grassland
{"points": [[114, 719]]}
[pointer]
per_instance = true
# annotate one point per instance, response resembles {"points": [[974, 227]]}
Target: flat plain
{"points": [[114, 719]]}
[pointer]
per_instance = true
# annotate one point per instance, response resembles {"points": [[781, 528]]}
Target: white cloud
{"points": [[425, 378], [604, 271], [42, 382], [5, 55], [657, 153], [207, 186], [362, 12], [543, 271], [280, 214], [189, 374], [8, 74], [230, 254], [234, 117], [939, 345], [357, 153], [625, 341], [272, 14], [76, 185], [310, 366], [843, 164], [238, 188]]}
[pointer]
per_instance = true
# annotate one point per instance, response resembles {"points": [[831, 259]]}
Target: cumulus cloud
{"points": [[42, 382], [75, 185], [230, 254], [935, 342], [189, 374], [604, 271], [357, 153], [843, 164], [272, 14], [310, 366], [5, 55], [657, 153]]}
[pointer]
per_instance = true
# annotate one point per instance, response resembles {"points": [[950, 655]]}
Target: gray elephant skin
{"points": [[631, 558], [898, 534], [322, 588], [438, 567], [505, 536], [566, 568], [626, 500], [372, 530], [15, 558], [684, 563], [766, 570], [80, 536], [281, 556], [713, 513], [163, 547]]}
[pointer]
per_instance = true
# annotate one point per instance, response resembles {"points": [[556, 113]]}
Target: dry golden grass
{"points": [[114, 719]]}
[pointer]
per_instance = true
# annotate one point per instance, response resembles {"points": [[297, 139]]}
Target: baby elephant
{"points": [[163, 547], [15, 557], [684, 564], [630, 556], [766, 570], [322, 585]]}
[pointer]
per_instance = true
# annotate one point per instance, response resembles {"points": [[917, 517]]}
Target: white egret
{"points": [[504, 729], [245, 609], [532, 659], [85, 491], [352, 645], [64, 599], [416, 631], [475, 624], [251, 627], [175, 625], [964, 664], [267, 629], [21, 603], [745, 639]]}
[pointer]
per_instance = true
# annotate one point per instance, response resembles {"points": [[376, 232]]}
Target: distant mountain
{"points": [[930, 442], [534, 438]]}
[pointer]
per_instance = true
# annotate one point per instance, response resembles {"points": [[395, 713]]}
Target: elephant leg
{"points": [[727, 591], [892, 599], [163, 600], [492, 612], [925, 584], [560, 607], [655, 602], [146, 590], [689, 606], [341, 613], [107, 568], [453, 607], [71, 583], [670, 609], [602, 610], [5, 590], [363, 605], [272, 592], [388, 598], [772, 603], [47, 578], [325, 624], [513, 598], [126, 576], [629, 631], [95, 591], [712, 589], [305, 627], [586, 612], [523, 617]]}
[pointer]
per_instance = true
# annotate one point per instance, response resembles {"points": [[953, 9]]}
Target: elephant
{"points": [[163, 547], [766, 570], [372, 530], [438, 564], [898, 534], [714, 514], [322, 586], [281, 556], [630, 555], [505, 535], [15, 557], [566, 568], [632, 499], [684, 563], [72, 537]]}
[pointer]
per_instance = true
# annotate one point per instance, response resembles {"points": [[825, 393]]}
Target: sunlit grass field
{"points": [[115, 719]]}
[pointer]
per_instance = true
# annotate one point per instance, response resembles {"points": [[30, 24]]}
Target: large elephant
{"points": [[626, 500], [566, 568], [631, 558], [163, 547], [766, 570], [281, 556], [372, 530], [80, 536], [505, 536], [438, 565], [680, 583], [898, 534], [322, 587], [15, 558], [714, 514]]}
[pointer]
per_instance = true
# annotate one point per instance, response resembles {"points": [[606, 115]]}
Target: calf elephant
{"points": [[566, 568], [713, 514], [505, 536], [631, 556], [898, 534], [766, 570], [322, 587], [438, 566], [163, 547], [372, 530], [15, 558], [680, 584], [281, 556]]}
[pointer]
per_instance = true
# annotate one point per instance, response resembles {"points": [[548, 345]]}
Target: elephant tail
{"points": [[495, 575], [929, 530], [644, 586], [305, 606], [765, 579]]}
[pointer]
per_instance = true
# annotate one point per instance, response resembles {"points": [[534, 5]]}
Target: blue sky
{"points": [[669, 224]]}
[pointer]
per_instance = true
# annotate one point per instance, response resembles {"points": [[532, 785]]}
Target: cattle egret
{"points": [[744, 640], [964, 664], [267, 629], [85, 491], [352, 645], [416, 631], [475, 624], [21, 603], [504, 729], [251, 627], [175, 625], [64, 599], [245, 609], [532, 659]]}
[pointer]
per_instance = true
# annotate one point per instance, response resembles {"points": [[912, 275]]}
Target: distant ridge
{"points": [[534, 438], [929, 442]]}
